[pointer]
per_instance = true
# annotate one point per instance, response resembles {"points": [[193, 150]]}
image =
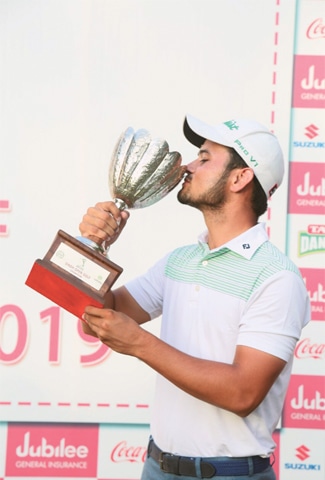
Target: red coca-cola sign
{"points": [[316, 29], [124, 452], [307, 348]]}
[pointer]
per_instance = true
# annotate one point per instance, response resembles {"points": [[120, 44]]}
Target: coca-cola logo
{"points": [[123, 452], [306, 348], [316, 29]]}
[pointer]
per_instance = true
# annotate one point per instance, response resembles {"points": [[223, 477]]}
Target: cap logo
{"points": [[244, 151], [232, 125]]}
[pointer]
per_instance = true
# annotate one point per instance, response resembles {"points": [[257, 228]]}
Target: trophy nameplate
{"points": [[75, 273]]}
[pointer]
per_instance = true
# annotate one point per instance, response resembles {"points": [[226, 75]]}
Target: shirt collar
{"points": [[245, 244]]}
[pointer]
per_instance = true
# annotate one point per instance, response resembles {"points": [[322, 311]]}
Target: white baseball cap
{"points": [[257, 146]]}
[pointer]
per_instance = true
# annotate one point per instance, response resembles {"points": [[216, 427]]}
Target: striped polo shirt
{"points": [[244, 293]]}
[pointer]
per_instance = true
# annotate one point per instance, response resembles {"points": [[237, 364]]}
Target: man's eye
{"points": [[203, 160]]}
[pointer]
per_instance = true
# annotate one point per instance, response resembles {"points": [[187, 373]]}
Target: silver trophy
{"points": [[142, 170], [75, 271]]}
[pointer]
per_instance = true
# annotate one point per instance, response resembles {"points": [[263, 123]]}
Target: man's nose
{"points": [[192, 166]]}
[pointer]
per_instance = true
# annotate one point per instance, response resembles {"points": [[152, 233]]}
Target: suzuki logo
{"points": [[302, 452], [312, 131]]}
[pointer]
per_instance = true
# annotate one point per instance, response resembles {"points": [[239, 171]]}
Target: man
{"points": [[232, 307]]}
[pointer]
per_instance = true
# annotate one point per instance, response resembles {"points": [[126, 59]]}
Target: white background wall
{"points": [[74, 75]]}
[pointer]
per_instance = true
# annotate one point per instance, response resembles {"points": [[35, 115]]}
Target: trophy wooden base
{"points": [[73, 275]]}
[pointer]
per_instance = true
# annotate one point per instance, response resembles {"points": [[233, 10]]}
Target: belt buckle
{"points": [[161, 460], [171, 467]]}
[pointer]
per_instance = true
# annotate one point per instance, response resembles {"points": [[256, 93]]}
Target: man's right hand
{"points": [[103, 223]]}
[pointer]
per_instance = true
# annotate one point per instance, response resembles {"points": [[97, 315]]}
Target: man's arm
{"points": [[238, 387]]}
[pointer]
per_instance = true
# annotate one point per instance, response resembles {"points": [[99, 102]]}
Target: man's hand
{"points": [[124, 305], [115, 329], [103, 223]]}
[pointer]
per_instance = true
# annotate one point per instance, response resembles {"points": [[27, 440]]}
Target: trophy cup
{"points": [[75, 271]]}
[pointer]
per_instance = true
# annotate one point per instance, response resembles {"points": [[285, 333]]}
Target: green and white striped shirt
{"points": [[244, 293]]}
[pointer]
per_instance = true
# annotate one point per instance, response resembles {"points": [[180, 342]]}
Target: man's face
{"points": [[205, 184]]}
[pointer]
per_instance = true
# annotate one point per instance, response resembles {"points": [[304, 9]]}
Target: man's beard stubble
{"points": [[213, 199]]}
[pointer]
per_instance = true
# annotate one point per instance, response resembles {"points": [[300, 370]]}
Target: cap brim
{"points": [[191, 136], [197, 132]]}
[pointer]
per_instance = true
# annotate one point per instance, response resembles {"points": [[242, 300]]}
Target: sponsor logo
{"points": [[312, 241], [305, 402], [232, 125], [302, 453], [307, 190], [240, 148], [306, 348], [52, 450], [316, 29], [314, 279], [317, 402], [122, 452], [309, 82], [311, 132]]}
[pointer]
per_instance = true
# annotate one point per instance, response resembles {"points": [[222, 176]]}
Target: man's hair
{"points": [[258, 200]]}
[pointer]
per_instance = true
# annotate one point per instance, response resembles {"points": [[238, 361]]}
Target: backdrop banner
{"points": [[74, 75]]}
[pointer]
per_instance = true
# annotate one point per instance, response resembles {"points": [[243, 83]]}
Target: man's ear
{"points": [[240, 178]]}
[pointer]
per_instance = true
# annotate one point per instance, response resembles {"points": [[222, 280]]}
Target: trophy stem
{"points": [[93, 245], [121, 205]]}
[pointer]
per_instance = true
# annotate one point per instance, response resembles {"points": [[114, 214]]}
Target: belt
{"points": [[179, 465]]}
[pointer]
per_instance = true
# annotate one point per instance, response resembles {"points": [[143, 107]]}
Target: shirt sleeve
{"points": [[275, 315], [148, 289]]}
